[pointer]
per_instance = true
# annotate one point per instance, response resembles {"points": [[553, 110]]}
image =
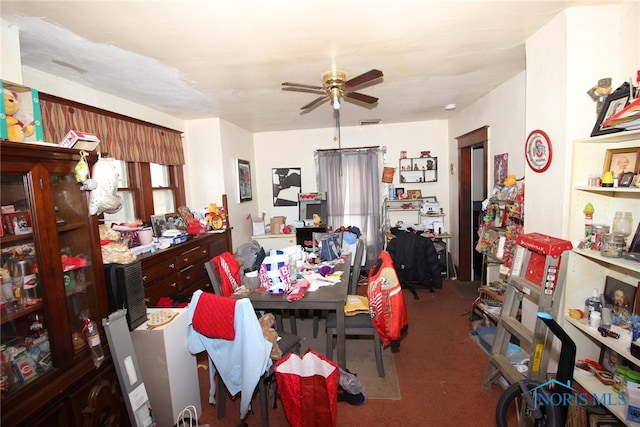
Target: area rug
{"points": [[360, 360], [466, 290]]}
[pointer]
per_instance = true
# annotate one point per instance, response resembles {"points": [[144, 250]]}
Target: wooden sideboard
{"points": [[179, 270]]}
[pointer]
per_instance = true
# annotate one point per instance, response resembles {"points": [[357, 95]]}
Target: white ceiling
{"points": [[202, 59]]}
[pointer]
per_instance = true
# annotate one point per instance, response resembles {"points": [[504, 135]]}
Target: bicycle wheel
{"points": [[513, 409]]}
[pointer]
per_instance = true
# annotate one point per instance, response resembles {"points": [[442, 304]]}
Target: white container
{"points": [[594, 320]]}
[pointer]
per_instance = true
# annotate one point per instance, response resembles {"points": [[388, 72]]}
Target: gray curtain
{"points": [[351, 179]]}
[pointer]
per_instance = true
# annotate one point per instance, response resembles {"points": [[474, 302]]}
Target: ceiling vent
{"points": [[369, 122]]}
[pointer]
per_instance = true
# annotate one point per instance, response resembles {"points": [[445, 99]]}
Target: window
{"points": [[163, 198], [147, 189]]}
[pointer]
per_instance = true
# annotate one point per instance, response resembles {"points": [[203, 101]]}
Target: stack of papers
{"points": [[628, 118]]}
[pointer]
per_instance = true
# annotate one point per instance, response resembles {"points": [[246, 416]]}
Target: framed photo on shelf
{"points": [[615, 102], [245, 191], [610, 359], [622, 160], [625, 179], [399, 192], [414, 194], [620, 294], [159, 224]]}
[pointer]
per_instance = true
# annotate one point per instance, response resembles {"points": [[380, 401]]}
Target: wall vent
{"points": [[369, 122]]}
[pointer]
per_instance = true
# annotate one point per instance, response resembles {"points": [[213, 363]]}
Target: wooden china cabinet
{"points": [[48, 375]]}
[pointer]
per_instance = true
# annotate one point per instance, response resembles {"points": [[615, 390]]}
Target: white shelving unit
{"points": [[587, 269], [409, 211]]}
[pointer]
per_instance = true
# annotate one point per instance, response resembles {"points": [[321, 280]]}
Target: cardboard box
{"points": [[28, 117], [80, 140]]}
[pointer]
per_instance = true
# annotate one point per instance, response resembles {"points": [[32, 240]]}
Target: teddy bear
{"points": [[17, 130]]}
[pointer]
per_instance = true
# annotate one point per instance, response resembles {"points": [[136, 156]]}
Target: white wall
{"points": [[564, 60], [293, 149], [503, 111]]}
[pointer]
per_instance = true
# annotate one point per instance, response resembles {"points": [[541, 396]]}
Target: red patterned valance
{"points": [[120, 137]]}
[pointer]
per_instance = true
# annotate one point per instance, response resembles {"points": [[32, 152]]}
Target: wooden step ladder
{"points": [[538, 275]]}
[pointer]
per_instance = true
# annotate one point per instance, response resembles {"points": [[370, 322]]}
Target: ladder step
{"points": [[507, 370], [518, 330], [527, 287]]}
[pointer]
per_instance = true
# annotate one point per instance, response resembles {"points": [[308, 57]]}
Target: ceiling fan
{"points": [[336, 87]]}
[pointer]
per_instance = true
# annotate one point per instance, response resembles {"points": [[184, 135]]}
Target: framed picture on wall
{"points": [[287, 183], [245, 191]]}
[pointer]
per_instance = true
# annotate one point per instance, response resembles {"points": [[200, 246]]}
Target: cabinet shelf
{"points": [[620, 345], [627, 264], [594, 386], [10, 317], [608, 190]]}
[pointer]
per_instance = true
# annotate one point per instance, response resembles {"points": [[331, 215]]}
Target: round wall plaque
{"points": [[538, 151]]}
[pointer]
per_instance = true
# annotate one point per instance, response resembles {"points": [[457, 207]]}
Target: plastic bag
{"points": [[105, 198], [350, 382]]}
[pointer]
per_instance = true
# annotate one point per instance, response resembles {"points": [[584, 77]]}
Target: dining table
{"points": [[331, 297]]}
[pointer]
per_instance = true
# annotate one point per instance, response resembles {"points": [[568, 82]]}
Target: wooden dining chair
{"points": [[287, 342], [359, 324]]}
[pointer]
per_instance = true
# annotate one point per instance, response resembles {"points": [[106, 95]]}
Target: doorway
{"points": [[472, 188]]}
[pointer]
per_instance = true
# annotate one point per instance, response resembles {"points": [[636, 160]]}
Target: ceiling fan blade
{"points": [[364, 78], [314, 102], [362, 97], [301, 86]]}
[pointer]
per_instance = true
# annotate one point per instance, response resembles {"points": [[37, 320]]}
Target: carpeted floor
{"points": [[466, 290], [439, 370], [360, 360]]}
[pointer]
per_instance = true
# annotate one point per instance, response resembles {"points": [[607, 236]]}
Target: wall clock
{"points": [[538, 151]]}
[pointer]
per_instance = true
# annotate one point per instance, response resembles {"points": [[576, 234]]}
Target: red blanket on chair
{"points": [[214, 316]]}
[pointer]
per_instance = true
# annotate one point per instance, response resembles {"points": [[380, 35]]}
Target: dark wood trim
{"points": [[466, 143]]}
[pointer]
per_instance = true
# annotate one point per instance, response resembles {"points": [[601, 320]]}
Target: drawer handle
{"points": [[145, 278], [191, 250], [174, 285], [172, 266], [188, 277], [146, 299], [185, 259]]}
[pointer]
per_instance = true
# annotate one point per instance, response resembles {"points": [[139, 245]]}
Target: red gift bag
{"points": [[308, 389]]}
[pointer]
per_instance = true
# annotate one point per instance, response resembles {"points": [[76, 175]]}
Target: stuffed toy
{"points": [[17, 129]]}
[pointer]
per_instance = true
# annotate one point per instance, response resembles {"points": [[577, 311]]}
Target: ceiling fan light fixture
{"points": [[335, 98]]}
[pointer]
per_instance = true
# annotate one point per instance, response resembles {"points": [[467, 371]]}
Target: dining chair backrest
{"points": [[357, 265], [213, 277]]}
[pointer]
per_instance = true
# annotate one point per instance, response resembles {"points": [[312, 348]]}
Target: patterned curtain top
{"points": [[122, 139]]}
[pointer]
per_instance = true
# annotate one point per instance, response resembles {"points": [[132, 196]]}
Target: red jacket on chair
{"points": [[386, 301]]}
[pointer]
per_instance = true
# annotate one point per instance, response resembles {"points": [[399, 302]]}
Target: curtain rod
{"points": [[383, 149]]}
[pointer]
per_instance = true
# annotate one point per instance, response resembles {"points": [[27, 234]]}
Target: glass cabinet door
{"points": [[75, 255], [25, 351], [49, 289]]}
